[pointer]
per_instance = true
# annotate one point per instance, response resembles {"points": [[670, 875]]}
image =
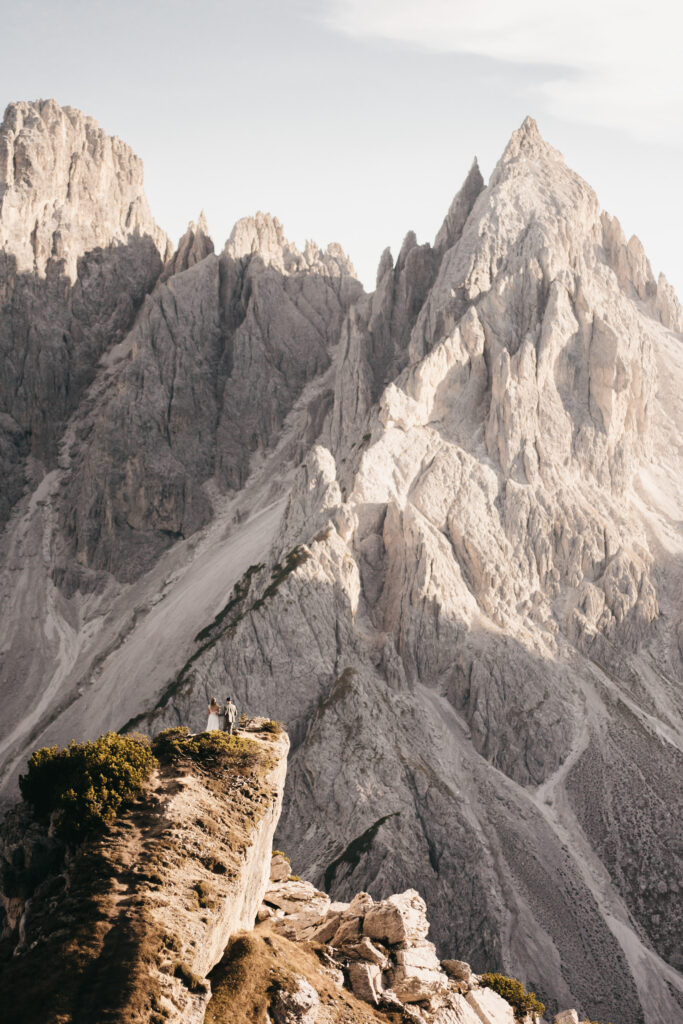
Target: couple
{"points": [[223, 721]]}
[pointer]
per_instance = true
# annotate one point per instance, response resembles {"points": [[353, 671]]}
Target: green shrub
{"points": [[85, 784], [273, 726], [217, 748], [515, 994]]}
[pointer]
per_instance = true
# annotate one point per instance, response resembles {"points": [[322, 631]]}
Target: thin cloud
{"points": [[617, 61]]}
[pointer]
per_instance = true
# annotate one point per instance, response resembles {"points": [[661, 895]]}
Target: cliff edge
{"points": [[126, 926]]}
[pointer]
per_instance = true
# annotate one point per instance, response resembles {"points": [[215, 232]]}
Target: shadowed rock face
{"points": [[469, 618], [217, 358], [79, 250]]}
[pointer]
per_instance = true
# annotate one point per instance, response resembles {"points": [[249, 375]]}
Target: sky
{"points": [[356, 121]]}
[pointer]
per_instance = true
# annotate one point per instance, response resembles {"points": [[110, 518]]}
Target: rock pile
{"points": [[379, 949]]}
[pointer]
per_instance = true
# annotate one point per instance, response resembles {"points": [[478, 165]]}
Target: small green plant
{"points": [[279, 853], [86, 784], [295, 878], [211, 748], [274, 727], [515, 994], [244, 720]]}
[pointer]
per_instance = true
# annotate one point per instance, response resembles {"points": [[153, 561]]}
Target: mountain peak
{"points": [[526, 143], [66, 187], [460, 208]]}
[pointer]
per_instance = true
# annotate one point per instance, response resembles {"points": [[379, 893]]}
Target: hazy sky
{"points": [[357, 120]]}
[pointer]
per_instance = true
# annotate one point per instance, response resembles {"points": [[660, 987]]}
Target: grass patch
{"points": [[205, 896], [189, 979], [211, 749], [513, 991], [258, 966]]}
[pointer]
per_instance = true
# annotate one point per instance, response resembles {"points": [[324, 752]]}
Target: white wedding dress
{"points": [[213, 722]]}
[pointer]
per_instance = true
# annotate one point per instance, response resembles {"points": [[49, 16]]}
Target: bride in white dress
{"points": [[213, 722]]}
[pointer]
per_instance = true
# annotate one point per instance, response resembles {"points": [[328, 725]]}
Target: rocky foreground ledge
{"points": [[126, 928], [179, 913], [377, 950]]}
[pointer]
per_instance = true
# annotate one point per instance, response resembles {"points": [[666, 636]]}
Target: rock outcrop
{"points": [[79, 251], [376, 949], [127, 927]]}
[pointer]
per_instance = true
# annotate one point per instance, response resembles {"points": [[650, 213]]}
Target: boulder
{"points": [[400, 918], [359, 906], [367, 951], [566, 1017], [299, 927], [295, 897], [349, 931], [456, 1011], [417, 984], [326, 931], [366, 982], [458, 969], [390, 1001], [280, 868], [490, 1007], [418, 954], [295, 1007]]}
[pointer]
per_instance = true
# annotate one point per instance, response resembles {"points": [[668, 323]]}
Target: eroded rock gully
{"points": [[435, 530]]}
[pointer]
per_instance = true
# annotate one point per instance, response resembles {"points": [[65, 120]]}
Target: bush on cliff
{"points": [[515, 994], [85, 784], [212, 749]]}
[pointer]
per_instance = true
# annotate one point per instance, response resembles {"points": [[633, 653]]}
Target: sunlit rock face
{"points": [[436, 531]]}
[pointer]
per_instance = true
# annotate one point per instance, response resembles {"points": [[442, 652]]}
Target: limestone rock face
{"points": [[66, 188], [434, 530], [79, 251], [217, 358], [152, 903], [480, 621]]}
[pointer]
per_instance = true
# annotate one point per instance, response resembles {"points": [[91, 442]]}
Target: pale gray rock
{"points": [[348, 932], [280, 869], [79, 251], [366, 981], [417, 954], [457, 969], [298, 1006], [293, 897], [400, 918], [66, 188], [417, 984], [490, 1007], [366, 950], [469, 615], [566, 1017], [194, 246]]}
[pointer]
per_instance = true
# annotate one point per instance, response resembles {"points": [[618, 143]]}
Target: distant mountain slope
{"points": [[465, 602]]}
